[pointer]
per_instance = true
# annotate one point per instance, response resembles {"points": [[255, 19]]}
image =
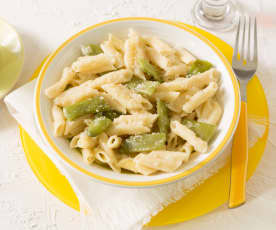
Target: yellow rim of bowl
{"points": [[211, 156]]}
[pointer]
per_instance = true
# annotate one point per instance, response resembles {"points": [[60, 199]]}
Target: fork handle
{"points": [[239, 160]]}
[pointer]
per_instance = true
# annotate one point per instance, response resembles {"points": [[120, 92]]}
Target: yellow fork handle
{"points": [[239, 161]]}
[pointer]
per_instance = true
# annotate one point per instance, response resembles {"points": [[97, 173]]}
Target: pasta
{"points": [[186, 56], [86, 142], [134, 166], [108, 154], [88, 155], [172, 141], [200, 97], [166, 161], [58, 121], [160, 46], [115, 55], [131, 101], [156, 58], [209, 112], [115, 77], [137, 104], [73, 128], [175, 71], [132, 124], [80, 78], [129, 56], [75, 94], [116, 42], [56, 89], [189, 136], [114, 142], [167, 96], [181, 84], [114, 103], [93, 64]]}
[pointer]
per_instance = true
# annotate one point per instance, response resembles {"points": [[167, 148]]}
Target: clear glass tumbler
{"points": [[220, 15]]}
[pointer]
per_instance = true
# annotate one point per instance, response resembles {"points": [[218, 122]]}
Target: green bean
{"points": [[91, 50], [163, 118], [199, 66], [98, 125], [91, 105], [112, 114], [143, 143], [150, 69], [144, 87], [204, 130]]}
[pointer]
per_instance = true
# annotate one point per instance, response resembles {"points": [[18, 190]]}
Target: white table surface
{"points": [[25, 204]]}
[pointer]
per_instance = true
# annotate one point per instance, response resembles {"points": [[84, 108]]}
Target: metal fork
{"points": [[244, 64]]}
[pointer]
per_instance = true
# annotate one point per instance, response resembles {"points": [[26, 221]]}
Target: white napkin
{"points": [[108, 207]]}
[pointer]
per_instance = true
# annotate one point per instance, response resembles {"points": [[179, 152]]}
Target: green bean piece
{"points": [[144, 87], [112, 114], [98, 125], [199, 66], [150, 69], [91, 50], [204, 130], [143, 143], [91, 105], [163, 117]]}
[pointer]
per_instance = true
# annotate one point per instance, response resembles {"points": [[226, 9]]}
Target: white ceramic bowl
{"points": [[175, 34]]}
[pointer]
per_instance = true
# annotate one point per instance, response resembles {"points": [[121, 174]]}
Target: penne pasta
{"points": [[114, 142], [167, 96], [58, 121], [186, 56], [116, 42], [200, 97], [175, 71], [129, 55], [115, 55], [156, 58], [166, 161], [209, 112], [134, 166], [86, 142], [76, 94], [132, 124], [80, 78], [160, 46], [57, 88], [131, 101], [93, 64], [73, 128], [199, 81], [115, 77], [88, 156], [137, 104], [108, 154], [189, 136]]}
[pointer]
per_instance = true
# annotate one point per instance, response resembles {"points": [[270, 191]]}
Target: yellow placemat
{"points": [[203, 199]]}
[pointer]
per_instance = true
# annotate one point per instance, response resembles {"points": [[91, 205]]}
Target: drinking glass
{"points": [[220, 15]]}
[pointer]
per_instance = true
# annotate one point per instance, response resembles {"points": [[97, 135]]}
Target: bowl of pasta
{"points": [[137, 102]]}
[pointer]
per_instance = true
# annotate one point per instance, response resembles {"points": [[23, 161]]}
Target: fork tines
{"points": [[247, 52]]}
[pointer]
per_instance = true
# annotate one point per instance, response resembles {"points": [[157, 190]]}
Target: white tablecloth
{"points": [[43, 25]]}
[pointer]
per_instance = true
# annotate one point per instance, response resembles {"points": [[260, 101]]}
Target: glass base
{"points": [[224, 22]]}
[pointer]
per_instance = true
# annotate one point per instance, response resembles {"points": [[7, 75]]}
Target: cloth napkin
{"points": [[103, 206]]}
